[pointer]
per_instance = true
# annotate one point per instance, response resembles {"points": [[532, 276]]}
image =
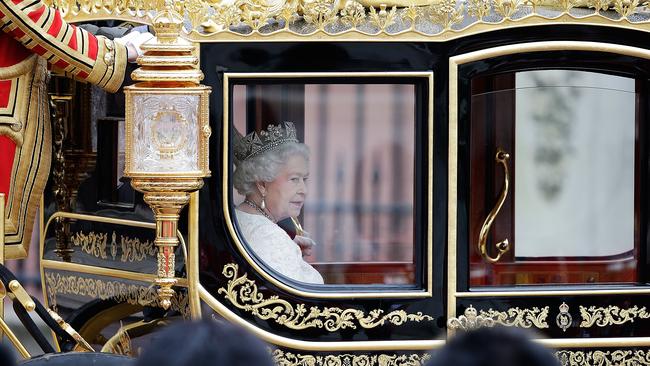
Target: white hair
{"points": [[265, 167]]}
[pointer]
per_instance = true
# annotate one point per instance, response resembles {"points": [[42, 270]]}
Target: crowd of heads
{"points": [[212, 343]]}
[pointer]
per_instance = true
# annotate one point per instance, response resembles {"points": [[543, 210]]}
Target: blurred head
{"points": [[498, 346], [7, 356], [279, 175], [205, 343]]}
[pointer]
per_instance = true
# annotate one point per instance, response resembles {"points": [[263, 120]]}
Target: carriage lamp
{"points": [[167, 133]]}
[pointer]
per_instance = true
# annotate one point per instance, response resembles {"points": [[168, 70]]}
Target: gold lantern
{"points": [[167, 133]]}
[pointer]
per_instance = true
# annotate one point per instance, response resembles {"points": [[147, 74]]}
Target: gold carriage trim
{"points": [[283, 358], [604, 358], [244, 295], [516, 317], [611, 315], [57, 284], [96, 244], [352, 20]]}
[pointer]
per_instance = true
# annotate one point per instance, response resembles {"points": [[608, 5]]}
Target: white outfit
{"points": [[274, 246]]}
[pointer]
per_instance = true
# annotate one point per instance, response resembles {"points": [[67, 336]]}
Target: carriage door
{"points": [[551, 207]]}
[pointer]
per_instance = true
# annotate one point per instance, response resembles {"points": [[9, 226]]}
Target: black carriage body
{"points": [[224, 280]]}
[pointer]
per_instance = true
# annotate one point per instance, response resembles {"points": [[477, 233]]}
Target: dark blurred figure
{"points": [[7, 357], [498, 346], [205, 343]]}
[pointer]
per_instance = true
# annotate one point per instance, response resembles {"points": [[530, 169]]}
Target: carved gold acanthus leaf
{"points": [[206, 20], [522, 318], [610, 315], [244, 295], [58, 284], [283, 358], [604, 358]]}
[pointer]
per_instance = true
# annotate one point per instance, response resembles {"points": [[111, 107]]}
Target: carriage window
{"points": [[565, 142], [333, 164]]}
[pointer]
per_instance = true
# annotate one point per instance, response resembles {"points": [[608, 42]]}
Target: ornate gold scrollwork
{"points": [[331, 18], [502, 246], [513, 317], [56, 284], [96, 244], [610, 315], [516, 317], [243, 294], [604, 358], [470, 320], [283, 358]]}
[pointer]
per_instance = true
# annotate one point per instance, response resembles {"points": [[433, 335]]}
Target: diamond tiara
{"points": [[255, 143]]}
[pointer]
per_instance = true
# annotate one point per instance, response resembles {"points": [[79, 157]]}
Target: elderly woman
{"points": [[271, 171]]}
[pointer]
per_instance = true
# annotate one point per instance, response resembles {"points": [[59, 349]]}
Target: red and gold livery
{"points": [[36, 37]]}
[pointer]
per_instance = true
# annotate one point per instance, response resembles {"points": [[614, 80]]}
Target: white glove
{"points": [[132, 41]]}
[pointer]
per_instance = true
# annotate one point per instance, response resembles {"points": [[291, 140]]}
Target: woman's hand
{"points": [[305, 243]]}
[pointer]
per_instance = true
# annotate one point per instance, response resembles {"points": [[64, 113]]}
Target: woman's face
{"points": [[286, 194]]}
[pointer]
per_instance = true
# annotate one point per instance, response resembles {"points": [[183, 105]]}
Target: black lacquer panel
{"points": [[217, 248]]}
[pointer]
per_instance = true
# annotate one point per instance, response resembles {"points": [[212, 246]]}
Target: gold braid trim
{"points": [[283, 358], [604, 358], [31, 164], [13, 125], [58, 284]]}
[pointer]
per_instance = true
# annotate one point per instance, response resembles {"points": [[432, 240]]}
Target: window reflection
{"points": [[575, 155], [571, 207], [357, 204]]}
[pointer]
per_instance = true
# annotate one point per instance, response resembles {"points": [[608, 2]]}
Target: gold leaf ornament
{"points": [[283, 358], [353, 14], [446, 13], [625, 8], [288, 13], [599, 5], [412, 13], [224, 17], [611, 315], [320, 13], [384, 18], [479, 8], [255, 14], [516, 317], [564, 5], [604, 358], [196, 11], [506, 8], [243, 294]]}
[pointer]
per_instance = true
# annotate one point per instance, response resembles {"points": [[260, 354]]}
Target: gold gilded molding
{"points": [[604, 358], [610, 315], [58, 284], [96, 244], [283, 358], [438, 20], [243, 294], [516, 317]]}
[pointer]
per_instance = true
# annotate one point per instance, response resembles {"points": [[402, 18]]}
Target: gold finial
{"points": [[168, 24], [171, 166]]}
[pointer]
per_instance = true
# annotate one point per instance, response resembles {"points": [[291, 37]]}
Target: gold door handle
{"points": [[502, 246]]}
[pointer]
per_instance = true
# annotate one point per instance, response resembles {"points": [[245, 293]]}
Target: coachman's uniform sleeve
{"points": [[42, 30]]}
